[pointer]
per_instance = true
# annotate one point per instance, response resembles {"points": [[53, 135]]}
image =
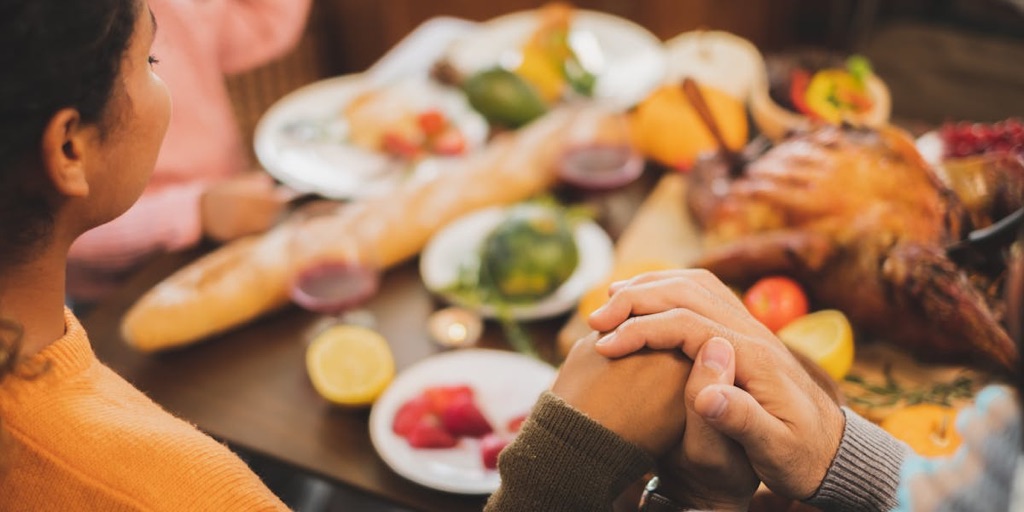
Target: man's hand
{"points": [[788, 426]]}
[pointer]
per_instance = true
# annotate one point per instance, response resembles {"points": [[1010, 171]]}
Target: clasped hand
{"points": [[728, 406]]}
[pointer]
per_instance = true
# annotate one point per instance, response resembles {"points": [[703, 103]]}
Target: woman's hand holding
{"points": [[708, 471], [640, 397], [788, 426]]}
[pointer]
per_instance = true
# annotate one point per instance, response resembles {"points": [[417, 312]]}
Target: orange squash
{"points": [[667, 128], [927, 428]]}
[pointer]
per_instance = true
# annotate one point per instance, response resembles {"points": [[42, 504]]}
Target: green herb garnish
{"points": [[860, 68], [891, 393]]}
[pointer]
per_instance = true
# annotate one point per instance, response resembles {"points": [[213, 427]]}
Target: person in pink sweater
{"points": [[200, 186]]}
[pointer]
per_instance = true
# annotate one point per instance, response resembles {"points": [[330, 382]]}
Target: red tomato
{"points": [[776, 301], [450, 143], [397, 144], [432, 122], [799, 80]]}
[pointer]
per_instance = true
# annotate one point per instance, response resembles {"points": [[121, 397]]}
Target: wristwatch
{"points": [[653, 501]]}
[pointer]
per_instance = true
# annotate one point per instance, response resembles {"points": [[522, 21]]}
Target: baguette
{"points": [[248, 278]]}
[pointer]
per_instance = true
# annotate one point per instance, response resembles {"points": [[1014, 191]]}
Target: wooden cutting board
{"points": [[884, 379]]}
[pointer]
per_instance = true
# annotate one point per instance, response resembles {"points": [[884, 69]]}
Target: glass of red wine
{"points": [[334, 270], [600, 154]]}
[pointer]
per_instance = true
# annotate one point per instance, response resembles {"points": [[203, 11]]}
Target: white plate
{"points": [[446, 251], [628, 60], [300, 140], [506, 385], [931, 147]]}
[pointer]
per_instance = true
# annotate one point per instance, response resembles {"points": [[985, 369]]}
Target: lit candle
{"points": [[455, 327]]}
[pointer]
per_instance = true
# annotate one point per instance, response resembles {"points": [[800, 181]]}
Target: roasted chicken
{"points": [[863, 222]]}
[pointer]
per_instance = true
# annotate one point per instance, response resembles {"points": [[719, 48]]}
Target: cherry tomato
{"points": [[432, 122], [776, 301], [450, 143], [400, 145]]}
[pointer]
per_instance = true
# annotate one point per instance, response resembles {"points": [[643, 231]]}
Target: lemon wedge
{"points": [[350, 365], [825, 337]]}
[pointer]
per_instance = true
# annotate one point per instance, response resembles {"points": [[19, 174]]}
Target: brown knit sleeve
{"points": [[564, 461]]}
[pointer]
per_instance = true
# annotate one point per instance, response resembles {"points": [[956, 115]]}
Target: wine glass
{"points": [[600, 154], [333, 266]]}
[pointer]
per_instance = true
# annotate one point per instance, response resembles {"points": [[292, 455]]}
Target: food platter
{"points": [[627, 59], [506, 385], [444, 254], [303, 139]]}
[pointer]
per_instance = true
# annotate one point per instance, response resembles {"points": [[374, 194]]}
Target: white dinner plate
{"points": [[506, 385], [447, 251], [628, 60], [931, 147], [301, 139]]}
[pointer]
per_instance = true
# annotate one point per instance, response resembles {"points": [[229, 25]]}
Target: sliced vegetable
{"points": [[798, 83], [860, 67], [432, 122], [450, 142], [401, 145]]}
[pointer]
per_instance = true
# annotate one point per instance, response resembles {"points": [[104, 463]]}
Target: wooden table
{"points": [[249, 387]]}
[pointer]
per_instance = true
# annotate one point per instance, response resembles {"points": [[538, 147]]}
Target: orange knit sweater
{"points": [[78, 437]]}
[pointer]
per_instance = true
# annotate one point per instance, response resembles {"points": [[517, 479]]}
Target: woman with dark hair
{"points": [[82, 116]]}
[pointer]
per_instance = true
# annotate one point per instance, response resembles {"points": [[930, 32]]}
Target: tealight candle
{"points": [[455, 327]]}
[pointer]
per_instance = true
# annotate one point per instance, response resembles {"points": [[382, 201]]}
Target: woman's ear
{"points": [[66, 141]]}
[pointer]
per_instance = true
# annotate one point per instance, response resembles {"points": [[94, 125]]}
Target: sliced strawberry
{"points": [[490, 447], [441, 396], [462, 418], [516, 423], [449, 143], [410, 414], [432, 122], [429, 433]]}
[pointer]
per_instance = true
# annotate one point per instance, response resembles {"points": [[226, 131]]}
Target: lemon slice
{"points": [[350, 365], [823, 336]]}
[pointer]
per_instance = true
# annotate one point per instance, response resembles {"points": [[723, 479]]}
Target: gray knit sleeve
{"points": [[865, 472]]}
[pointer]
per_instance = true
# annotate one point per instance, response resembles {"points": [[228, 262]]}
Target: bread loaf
{"points": [[247, 278]]}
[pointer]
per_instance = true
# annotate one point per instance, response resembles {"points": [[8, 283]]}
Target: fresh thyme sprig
{"points": [[891, 393]]}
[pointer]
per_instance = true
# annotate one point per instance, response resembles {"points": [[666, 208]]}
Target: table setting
{"points": [[485, 182]]}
